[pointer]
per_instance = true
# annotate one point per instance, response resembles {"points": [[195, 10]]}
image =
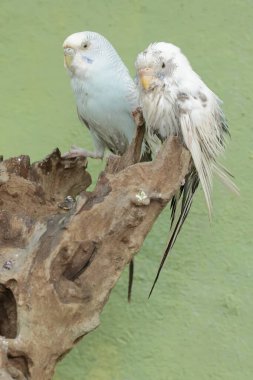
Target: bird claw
{"points": [[76, 152]]}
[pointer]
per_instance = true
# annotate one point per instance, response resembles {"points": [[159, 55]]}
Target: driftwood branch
{"points": [[60, 257]]}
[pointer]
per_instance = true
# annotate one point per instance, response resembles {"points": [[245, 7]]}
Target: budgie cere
{"points": [[176, 102], [105, 93]]}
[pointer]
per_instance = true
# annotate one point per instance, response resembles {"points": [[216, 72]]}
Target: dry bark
{"points": [[59, 260]]}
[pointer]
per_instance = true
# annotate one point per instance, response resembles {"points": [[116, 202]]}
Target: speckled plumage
{"points": [[105, 93], [175, 101]]}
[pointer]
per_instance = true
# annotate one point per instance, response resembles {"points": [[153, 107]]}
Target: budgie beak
{"points": [[68, 56], [146, 77]]}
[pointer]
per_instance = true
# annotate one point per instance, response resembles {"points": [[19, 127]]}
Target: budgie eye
{"points": [[163, 65], [85, 45]]}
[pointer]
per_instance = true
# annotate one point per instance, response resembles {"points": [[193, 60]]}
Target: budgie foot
{"points": [[75, 151]]}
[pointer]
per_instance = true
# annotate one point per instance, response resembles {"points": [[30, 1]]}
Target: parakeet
{"points": [[104, 91], [176, 102], [105, 94]]}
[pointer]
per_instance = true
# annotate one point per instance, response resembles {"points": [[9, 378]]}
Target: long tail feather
{"points": [[174, 204], [130, 280], [189, 188], [205, 145], [224, 176]]}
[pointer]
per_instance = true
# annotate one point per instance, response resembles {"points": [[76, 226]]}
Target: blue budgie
{"points": [[105, 93]]}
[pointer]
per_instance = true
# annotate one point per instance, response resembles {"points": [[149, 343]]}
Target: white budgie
{"points": [[105, 93], [176, 102]]}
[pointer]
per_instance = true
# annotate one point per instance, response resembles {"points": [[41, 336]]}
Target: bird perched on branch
{"points": [[105, 93], [176, 102]]}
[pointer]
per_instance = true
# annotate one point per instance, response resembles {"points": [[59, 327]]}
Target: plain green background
{"points": [[198, 325]]}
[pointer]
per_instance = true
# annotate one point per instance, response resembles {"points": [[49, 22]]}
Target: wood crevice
{"points": [[58, 266]]}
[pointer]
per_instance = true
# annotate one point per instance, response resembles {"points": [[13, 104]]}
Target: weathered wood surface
{"points": [[59, 260]]}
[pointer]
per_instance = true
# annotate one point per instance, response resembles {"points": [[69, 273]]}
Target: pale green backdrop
{"points": [[198, 325]]}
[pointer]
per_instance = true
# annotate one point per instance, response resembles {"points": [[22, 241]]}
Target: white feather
{"points": [[179, 103], [176, 102]]}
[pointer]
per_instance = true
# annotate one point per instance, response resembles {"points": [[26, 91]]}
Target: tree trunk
{"points": [[60, 257]]}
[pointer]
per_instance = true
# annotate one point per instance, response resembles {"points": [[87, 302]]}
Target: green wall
{"points": [[198, 325]]}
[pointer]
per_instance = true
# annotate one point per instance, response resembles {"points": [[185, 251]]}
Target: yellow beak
{"points": [[68, 56], [146, 77], [68, 60]]}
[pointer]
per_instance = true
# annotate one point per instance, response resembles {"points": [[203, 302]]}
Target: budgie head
{"points": [[87, 54]]}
